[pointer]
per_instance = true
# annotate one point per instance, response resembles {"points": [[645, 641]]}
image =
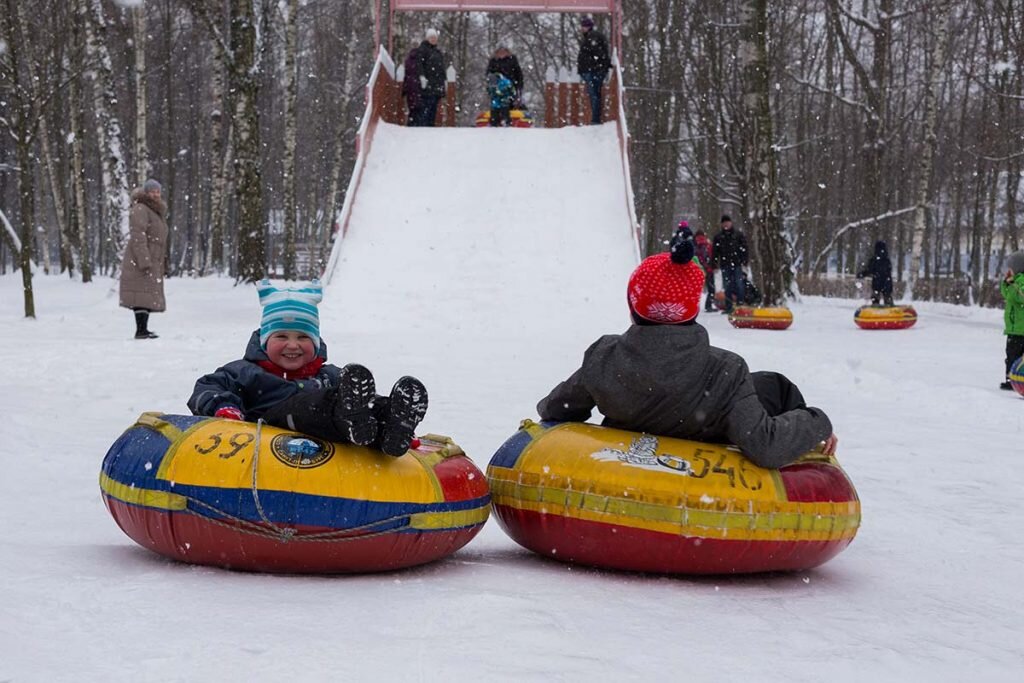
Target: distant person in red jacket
{"points": [[702, 245]]}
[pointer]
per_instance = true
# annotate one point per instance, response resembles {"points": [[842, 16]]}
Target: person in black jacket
{"points": [[593, 64], [662, 376], [505, 63], [730, 255], [879, 267], [425, 80]]}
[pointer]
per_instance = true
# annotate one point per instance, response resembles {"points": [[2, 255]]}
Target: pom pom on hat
{"points": [[664, 291], [681, 249], [290, 309]]}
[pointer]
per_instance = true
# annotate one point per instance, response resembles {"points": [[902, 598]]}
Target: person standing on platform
{"points": [[425, 81], [593, 64]]}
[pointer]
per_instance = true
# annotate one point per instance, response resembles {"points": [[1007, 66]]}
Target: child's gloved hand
{"points": [[229, 413]]}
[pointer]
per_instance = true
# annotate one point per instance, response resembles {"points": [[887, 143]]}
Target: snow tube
{"points": [[1017, 376], [520, 118], [623, 500], [241, 496], [761, 317], [885, 317]]}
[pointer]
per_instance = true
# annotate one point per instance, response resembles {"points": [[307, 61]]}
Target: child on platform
{"points": [[285, 380], [502, 93], [1012, 289], [663, 377]]}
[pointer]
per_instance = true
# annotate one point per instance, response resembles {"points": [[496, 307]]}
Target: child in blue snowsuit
{"points": [[502, 93], [285, 380]]}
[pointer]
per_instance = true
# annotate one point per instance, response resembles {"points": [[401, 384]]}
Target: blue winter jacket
{"points": [[501, 91], [248, 387]]}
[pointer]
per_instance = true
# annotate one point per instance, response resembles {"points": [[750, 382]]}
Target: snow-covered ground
{"points": [[491, 314]]}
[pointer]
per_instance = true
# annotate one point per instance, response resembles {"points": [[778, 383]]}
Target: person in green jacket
{"points": [[1012, 289]]}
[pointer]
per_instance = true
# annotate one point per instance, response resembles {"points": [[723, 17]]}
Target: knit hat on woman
{"points": [[666, 288], [290, 309]]}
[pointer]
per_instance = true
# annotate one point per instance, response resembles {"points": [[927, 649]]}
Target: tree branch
{"points": [[200, 9], [856, 224]]}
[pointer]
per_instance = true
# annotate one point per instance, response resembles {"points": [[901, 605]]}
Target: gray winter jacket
{"points": [[668, 380]]}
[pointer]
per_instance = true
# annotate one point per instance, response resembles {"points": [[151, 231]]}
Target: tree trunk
{"points": [[77, 164], [341, 145], [171, 157], [246, 123], [142, 166], [291, 94], [57, 196], [108, 130], [22, 112], [760, 191], [935, 70], [220, 155]]}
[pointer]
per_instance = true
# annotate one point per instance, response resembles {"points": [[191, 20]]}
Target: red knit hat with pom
{"points": [[663, 291]]}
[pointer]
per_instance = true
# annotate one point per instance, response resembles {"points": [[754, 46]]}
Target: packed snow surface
{"points": [[488, 282]]}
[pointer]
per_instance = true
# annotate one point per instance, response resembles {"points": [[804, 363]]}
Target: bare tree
{"points": [[108, 129], [940, 21], [139, 42], [241, 54], [760, 188], [25, 113], [291, 9]]}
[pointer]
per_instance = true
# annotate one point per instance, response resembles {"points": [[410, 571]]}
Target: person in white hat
{"points": [[425, 81]]}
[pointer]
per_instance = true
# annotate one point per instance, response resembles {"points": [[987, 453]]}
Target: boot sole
{"points": [[356, 390], [407, 407]]}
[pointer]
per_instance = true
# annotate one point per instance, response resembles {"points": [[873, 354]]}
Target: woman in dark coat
{"points": [[879, 267], [505, 63], [145, 258]]}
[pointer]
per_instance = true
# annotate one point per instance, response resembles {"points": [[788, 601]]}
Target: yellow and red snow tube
{"points": [[623, 500], [518, 118], [885, 317], [242, 496], [761, 317]]}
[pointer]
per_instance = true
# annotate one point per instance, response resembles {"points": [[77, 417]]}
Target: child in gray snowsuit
{"points": [[663, 377]]}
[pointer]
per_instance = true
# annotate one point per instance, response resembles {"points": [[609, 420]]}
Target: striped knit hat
{"points": [[290, 309]]}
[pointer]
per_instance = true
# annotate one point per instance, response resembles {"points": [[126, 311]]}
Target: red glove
{"points": [[229, 413]]}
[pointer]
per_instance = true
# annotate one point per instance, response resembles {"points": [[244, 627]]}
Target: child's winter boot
{"points": [[406, 408], [353, 414]]}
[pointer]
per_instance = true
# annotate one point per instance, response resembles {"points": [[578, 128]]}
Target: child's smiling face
{"points": [[290, 350]]}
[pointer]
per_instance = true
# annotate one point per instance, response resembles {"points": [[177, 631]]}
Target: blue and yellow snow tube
{"points": [[243, 496], [625, 500]]}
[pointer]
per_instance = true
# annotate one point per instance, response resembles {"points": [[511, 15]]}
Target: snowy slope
{"points": [[491, 293], [482, 252]]}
